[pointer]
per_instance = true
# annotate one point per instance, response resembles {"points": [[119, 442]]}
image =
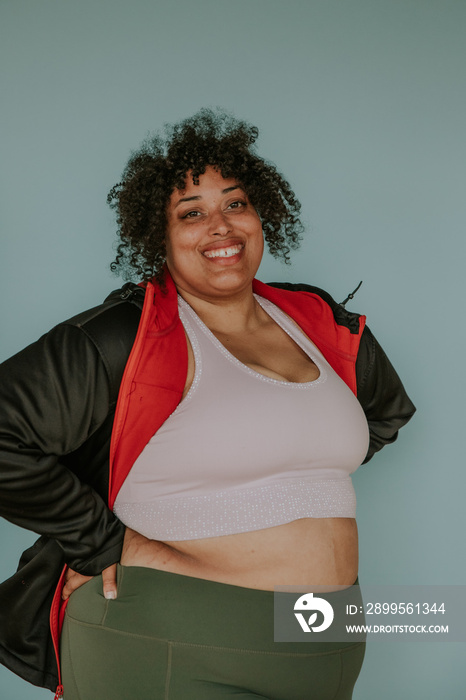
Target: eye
{"points": [[237, 204], [191, 214]]}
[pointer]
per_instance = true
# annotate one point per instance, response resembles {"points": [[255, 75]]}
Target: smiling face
{"points": [[214, 238]]}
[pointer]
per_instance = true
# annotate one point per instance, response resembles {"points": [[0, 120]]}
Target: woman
{"points": [[206, 443]]}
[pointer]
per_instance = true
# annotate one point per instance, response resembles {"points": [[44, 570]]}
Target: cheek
{"points": [[171, 252], [180, 249], [182, 240], [260, 240]]}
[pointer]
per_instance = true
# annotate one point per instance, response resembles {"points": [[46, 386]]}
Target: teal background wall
{"points": [[361, 103]]}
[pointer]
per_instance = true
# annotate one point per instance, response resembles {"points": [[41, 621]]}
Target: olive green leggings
{"points": [[172, 637]]}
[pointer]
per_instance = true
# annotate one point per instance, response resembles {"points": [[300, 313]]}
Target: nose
{"points": [[219, 224]]}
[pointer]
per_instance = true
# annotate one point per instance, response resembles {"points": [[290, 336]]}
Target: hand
{"points": [[73, 581]]}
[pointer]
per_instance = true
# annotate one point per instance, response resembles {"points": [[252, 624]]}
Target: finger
{"points": [[66, 591], [73, 580], [109, 582], [67, 588]]}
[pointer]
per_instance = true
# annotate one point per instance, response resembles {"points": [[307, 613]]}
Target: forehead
{"points": [[210, 181]]}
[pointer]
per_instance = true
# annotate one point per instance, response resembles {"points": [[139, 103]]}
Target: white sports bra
{"points": [[243, 451]]}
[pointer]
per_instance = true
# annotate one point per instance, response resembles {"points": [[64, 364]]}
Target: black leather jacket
{"points": [[56, 415]]}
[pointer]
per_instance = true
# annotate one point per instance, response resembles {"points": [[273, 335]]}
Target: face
{"points": [[214, 238]]}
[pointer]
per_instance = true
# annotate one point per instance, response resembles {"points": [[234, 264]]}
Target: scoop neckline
{"points": [[276, 314]]}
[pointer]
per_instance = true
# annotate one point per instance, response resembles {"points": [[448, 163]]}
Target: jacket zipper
{"points": [[54, 620]]}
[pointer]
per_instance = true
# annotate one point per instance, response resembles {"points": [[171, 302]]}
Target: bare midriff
{"points": [[309, 551]]}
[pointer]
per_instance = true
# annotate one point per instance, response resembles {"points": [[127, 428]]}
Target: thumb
{"points": [[109, 582]]}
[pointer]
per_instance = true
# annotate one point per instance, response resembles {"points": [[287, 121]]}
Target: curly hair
{"points": [[209, 138]]}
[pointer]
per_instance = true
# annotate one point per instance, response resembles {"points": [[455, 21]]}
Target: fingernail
{"points": [[110, 595]]}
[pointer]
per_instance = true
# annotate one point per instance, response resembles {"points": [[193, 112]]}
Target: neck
{"points": [[230, 315]]}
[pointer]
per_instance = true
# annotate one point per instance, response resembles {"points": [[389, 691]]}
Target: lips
{"points": [[225, 252]]}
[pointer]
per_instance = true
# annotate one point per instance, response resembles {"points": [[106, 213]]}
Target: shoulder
{"points": [[95, 342], [122, 306], [111, 328], [341, 315]]}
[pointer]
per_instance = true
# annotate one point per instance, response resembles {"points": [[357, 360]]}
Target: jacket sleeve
{"points": [[381, 394], [54, 395]]}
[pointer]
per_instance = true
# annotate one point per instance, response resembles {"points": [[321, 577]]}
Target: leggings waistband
{"points": [[164, 605]]}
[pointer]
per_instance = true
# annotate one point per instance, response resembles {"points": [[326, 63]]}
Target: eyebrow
{"points": [[197, 197]]}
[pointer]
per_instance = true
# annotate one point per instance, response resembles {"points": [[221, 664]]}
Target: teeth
{"points": [[223, 252]]}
